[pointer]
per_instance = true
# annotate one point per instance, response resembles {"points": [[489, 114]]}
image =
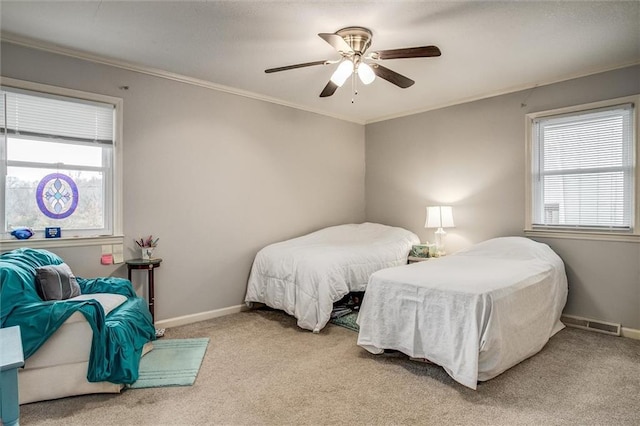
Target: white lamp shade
{"points": [[341, 73], [365, 73], [439, 217]]}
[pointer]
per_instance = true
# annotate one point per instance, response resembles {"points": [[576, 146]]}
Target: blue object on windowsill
{"points": [[52, 232], [22, 233]]}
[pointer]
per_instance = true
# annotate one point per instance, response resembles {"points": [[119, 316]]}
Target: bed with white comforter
{"points": [[475, 313], [306, 275]]}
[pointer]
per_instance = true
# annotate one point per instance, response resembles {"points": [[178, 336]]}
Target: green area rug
{"points": [[347, 321], [172, 362]]}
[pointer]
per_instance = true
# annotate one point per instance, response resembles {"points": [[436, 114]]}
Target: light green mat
{"points": [[172, 362], [347, 321]]}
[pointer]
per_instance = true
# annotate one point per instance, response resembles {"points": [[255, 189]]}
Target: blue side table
{"points": [[11, 358]]}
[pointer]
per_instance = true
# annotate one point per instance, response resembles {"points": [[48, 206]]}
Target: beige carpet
{"points": [[261, 369]]}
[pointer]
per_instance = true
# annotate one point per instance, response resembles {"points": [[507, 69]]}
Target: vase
{"points": [[147, 253]]}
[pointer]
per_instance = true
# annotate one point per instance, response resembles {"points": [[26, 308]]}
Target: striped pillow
{"points": [[56, 282]]}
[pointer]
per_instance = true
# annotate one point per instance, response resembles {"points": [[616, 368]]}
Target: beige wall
{"points": [[215, 175], [472, 156]]}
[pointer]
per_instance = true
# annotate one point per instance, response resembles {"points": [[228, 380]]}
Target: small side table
{"points": [[149, 265], [11, 358]]}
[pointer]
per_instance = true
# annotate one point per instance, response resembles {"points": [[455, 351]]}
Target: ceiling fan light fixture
{"points": [[344, 70], [352, 43], [365, 73]]}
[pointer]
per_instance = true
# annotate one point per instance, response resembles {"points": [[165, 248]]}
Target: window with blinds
{"points": [[582, 166], [57, 163]]}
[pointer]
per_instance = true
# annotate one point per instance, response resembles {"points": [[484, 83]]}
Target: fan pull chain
{"points": [[354, 87]]}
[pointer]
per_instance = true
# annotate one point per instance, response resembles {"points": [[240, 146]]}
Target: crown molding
{"points": [[156, 72], [507, 91], [54, 48]]}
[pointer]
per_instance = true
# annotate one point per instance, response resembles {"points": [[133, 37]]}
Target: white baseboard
{"points": [[201, 316], [631, 333]]}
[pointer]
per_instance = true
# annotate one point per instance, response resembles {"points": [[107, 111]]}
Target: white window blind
{"points": [[583, 169], [49, 116]]}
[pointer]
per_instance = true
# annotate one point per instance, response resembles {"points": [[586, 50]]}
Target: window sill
{"points": [[44, 243], [583, 235]]}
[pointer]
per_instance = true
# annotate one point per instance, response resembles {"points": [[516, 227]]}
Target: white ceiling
{"points": [[487, 47]]}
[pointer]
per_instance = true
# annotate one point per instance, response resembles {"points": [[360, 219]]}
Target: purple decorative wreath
{"points": [[57, 196]]}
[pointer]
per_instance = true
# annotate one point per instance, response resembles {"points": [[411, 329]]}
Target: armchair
{"points": [[91, 343]]}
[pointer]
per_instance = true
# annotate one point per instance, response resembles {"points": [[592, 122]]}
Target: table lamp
{"points": [[439, 217]]}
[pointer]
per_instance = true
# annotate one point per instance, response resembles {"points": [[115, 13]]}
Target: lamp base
{"points": [[440, 237]]}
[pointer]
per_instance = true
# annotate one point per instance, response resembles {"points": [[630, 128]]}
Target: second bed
{"points": [[475, 313]]}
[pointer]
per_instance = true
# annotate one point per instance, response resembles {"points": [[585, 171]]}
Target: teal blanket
{"points": [[117, 338]]}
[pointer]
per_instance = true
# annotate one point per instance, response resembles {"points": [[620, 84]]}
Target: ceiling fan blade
{"points": [[408, 52], [337, 42], [292, 67], [392, 76], [329, 89]]}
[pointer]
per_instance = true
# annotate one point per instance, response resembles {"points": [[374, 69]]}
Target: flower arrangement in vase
{"points": [[147, 246]]}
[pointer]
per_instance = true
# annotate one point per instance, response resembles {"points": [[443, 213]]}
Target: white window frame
{"points": [[116, 237], [586, 234]]}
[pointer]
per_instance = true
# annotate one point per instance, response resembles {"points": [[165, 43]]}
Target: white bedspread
{"points": [[476, 313], [306, 275]]}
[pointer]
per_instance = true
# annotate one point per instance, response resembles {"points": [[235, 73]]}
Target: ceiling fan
{"points": [[352, 44]]}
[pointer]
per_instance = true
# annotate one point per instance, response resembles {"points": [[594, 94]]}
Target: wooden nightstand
{"points": [[413, 259], [147, 265]]}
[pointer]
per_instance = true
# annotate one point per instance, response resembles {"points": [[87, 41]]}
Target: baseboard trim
{"points": [[631, 333], [201, 316]]}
